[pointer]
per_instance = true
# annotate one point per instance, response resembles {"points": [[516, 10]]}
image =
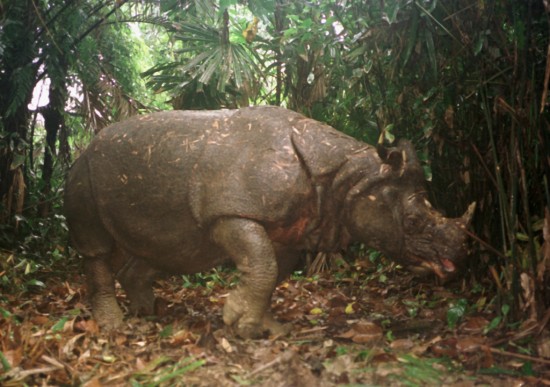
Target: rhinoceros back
{"points": [[137, 172], [250, 168]]}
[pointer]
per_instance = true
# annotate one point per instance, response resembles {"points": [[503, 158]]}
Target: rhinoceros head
{"points": [[391, 213]]}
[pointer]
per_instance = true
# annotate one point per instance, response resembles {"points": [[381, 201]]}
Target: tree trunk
{"points": [[53, 122], [12, 161], [17, 80], [279, 17]]}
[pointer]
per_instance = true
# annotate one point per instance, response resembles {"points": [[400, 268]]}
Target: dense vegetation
{"points": [[466, 80]]}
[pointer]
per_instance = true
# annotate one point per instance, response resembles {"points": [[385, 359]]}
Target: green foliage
{"points": [[456, 312], [495, 322], [5, 363], [208, 280], [164, 370], [419, 372], [212, 66]]}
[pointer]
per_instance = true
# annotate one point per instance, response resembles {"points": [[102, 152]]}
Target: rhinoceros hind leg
{"points": [[287, 261], [136, 278], [101, 289], [247, 243]]}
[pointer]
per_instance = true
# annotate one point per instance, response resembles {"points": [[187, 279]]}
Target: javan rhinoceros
{"points": [[180, 192]]}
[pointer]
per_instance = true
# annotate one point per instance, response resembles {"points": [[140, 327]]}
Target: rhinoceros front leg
{"points": [[250, 248]]}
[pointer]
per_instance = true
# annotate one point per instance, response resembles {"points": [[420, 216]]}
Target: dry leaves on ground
{"points": [[364, 328]]}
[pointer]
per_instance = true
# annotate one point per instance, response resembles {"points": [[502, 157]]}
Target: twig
{"points": [[285, 357], [518, 355], [544, 321], [517, 336], [311, 330], [485, 244], [22, 374]]}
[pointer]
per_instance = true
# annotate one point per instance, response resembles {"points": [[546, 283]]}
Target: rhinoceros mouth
{"points": [[448, 265], [443, 267]]}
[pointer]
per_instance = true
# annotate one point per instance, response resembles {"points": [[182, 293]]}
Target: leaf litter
{"points": [[359, 325]]}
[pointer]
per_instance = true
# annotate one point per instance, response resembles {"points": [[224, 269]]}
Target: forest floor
{"points": [[359, 325]]}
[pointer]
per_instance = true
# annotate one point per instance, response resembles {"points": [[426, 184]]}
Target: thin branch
{"points": [[519, 355], [118, 4], [45, 25], [437, 22], [54, 18]]}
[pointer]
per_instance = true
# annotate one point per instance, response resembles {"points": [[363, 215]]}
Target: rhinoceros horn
{"points": [[466, 219]]}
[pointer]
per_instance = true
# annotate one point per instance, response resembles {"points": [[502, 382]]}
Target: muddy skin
{"points": [[180, 192]]}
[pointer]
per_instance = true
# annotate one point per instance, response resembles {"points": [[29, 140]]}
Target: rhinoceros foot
{"points": [[246, 319], [107, 313], [274, 327], [101, 290]]}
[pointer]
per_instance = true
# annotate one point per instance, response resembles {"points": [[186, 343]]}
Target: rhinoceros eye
{"points": [[414, 223], [419, 195]]}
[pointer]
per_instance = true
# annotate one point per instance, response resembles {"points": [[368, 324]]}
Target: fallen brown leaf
{"points": [[469, 344], [363, 332], [474, 325]]}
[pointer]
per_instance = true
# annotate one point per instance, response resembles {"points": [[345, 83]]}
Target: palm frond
{"points": [[204, 57]]}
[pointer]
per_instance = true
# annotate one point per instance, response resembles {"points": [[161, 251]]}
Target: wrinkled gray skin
{"points": [[180, 192]]}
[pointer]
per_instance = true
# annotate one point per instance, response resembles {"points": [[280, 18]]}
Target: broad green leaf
{"points": [[35, 282], [505, 309], [58, 326], [166, 331], [456, 312], [479, 44], [5, 363], [492, 325], [388, 135], [5, 313]]}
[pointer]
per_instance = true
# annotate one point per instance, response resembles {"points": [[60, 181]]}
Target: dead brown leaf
{"points": [[474, 325], [543, 345], [191, 327], [363, 332], [402, 344], [469, 343], [14, 356]]}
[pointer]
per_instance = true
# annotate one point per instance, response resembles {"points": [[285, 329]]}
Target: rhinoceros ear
{"points": [[408, 151], [394, 157]]}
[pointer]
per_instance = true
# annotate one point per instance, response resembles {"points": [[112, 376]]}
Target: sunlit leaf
{"points": [[493, 324], [316, 311], [35, 282], [58, 326], [5, 363], [388, 135]]}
